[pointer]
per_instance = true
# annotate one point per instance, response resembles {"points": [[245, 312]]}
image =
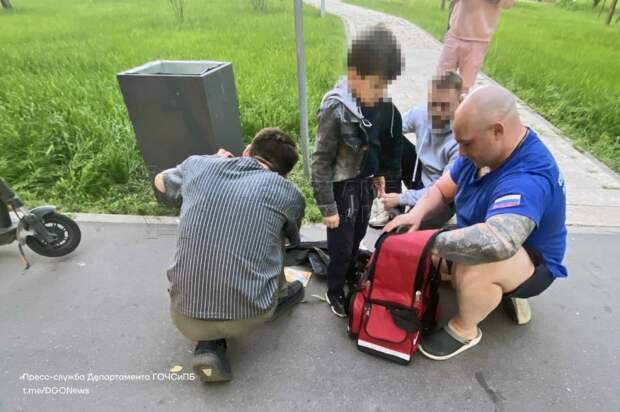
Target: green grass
{"points": [[65, 137], [563, 61]]}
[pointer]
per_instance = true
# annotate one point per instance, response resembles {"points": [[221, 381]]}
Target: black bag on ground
{"points": [[311, 254]]}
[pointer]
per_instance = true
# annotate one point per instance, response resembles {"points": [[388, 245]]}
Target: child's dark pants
{"points": [[354, 199]]}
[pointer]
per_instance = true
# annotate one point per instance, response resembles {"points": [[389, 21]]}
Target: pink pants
{"points": [[465, 55]]}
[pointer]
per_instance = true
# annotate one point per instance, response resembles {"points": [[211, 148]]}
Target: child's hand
{"points": [[390, 200], [332, 222]]}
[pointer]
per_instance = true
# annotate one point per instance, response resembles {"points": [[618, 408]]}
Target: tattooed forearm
{"points": [[499, 238]]}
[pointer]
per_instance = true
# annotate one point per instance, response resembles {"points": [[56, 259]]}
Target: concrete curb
{"points": [[174, 220]]}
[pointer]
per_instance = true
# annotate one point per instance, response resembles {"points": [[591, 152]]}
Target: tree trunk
{"points": [[6, 4], [602, 8], [443, 4], [612, 10]]}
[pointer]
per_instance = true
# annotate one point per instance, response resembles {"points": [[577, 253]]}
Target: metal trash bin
{"points": [[182, 108]]}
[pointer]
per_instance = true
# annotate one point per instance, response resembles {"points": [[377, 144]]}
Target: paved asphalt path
{"points": [[104, 311]]}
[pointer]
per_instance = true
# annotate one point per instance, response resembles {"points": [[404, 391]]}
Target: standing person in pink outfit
{"points": [[472, 24]]}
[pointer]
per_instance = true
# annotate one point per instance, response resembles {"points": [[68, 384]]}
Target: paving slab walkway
{"points": [[593, 190]]}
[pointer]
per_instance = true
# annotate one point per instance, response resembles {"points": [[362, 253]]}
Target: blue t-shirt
{"points": [[528, 183]]}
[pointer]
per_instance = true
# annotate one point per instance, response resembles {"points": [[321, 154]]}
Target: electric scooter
{"points": [[45, 231]]}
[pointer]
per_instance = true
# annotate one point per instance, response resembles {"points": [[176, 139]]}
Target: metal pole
{"points": [[301, 84], [322, 8], [612, 10]]}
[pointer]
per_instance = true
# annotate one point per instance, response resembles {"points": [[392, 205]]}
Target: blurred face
{"points": [[442, 104], [367, 89], [481, 143]]}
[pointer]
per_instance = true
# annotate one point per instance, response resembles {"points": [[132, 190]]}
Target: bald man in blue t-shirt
{"points": [[511, 211]]}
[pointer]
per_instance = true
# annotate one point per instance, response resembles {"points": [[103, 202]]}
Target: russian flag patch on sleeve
{"points": [[506, 201]]}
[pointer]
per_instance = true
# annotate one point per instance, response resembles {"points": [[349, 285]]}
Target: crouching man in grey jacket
{"points": [[435, 150]]}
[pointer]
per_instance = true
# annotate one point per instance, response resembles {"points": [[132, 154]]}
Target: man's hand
{"points": [[224, 153], [158, 182], [411, 219], [390, 200], [379, 183], [332, 222], [167, 187]]}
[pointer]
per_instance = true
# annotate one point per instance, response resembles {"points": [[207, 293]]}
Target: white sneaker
{"points": [[518, 309], [379, 217]]}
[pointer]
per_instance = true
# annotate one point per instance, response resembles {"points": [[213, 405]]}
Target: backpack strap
{"points": [[428, 320], [419, 277], [406, 319]]}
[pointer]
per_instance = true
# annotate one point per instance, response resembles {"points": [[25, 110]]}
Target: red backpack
{"points": [[396, 299]]}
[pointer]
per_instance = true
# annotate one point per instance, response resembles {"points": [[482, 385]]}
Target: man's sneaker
{"points": [[445, 344], [518, 309], [294, 295], [336, 302], [379, 217], [210, 363]]}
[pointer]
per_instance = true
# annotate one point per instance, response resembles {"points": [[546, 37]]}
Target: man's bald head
{"points": [[487, 125], [486, 105]]}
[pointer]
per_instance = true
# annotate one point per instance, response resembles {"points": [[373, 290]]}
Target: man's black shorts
{"points": [[540, 280]]}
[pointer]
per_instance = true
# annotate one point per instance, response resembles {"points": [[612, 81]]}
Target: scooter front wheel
{"points": [[67, 232]]}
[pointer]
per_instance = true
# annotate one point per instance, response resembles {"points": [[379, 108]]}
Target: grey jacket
{"points": [[342, 145], [436, 149]]}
